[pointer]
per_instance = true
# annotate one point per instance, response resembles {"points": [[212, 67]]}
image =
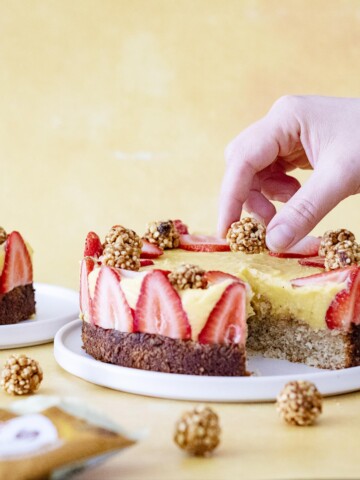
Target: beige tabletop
{"points": [[255, 444], [118, 111]]}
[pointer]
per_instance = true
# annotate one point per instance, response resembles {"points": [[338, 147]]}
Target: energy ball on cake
{"points": [[247, 235]]}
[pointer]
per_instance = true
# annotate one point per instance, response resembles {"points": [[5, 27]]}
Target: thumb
{"points": [[320, 194]]}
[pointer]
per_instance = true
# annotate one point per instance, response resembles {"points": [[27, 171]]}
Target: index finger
{"points": [[254, 149], [251, 151]]}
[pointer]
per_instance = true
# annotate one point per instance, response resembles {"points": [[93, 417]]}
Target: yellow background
{"points": [[115, 111]]}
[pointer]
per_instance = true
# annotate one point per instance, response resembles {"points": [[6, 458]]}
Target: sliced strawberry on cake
{"points": [[17, 300], [159, 309], [305, 248], [203, 243], [150, 250], [227, 321]]}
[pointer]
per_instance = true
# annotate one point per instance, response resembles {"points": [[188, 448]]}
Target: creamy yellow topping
{"points": [[197, 303], [268, 276]]}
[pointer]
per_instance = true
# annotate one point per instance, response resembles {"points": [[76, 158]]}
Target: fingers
{"points": [[251, 152], [279, 186], [259, 207], [306, 208]]}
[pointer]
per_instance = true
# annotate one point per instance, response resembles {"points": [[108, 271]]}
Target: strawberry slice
{"points": [[203, 243], [180, 226], [345, 308], [93, 246], [215, 276], [150, 250], [307, 247], [110, 307], [144, 262], [17, 270], [159, 309], [227, 321], [87, 266], [335, 276], [318, 262]]}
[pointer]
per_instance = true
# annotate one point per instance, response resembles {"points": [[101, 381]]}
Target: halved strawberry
{"points": [[159, 309], [345, 308], [307, 247], [335, 276], [203, 243], [144, 262], [110, 307], [93, 246], [227, 321], [215, 276], [87, 266], [180, 226], [318, 262], [149, 250], [17, 270]]}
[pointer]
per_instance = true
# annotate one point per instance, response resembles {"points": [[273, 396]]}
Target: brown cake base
{"points": [[17, 305], [163, 354], [291, 339]]}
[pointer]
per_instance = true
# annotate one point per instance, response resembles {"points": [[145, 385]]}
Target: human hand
{"points": [[322, 133]]}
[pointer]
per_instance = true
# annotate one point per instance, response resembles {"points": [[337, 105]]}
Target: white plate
{"points": [[271, 375], [55, 306]]}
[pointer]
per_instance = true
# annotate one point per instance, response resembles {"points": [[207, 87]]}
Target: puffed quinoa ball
{"points": [[188, 276], [122, 248], [21, 375], [198, 431], [332, 238], [162, 233], [341, 255], [299, 403], [3, 235], [247, 235]]}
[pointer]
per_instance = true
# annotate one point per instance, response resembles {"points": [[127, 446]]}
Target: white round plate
{"points": [[264, 385], [55, 306]]}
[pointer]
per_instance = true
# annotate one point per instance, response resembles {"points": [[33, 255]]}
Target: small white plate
{"points": [[269, 377], [55, 306]]}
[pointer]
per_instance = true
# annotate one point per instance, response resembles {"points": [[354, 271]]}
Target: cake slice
{"points": [[17, 296]]}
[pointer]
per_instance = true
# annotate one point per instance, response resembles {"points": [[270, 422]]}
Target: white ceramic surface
{"points": [[55, 306], [268, 379]]}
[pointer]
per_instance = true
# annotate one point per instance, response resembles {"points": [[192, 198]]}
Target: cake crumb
{"points": [[162, 233], [299, 403], [198, 431], [247, 235], [188, 276], [122, 248]]}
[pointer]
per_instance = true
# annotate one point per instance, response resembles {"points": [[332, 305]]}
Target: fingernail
{"points": [[279, 237]]}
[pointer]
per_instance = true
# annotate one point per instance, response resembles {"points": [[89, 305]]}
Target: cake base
{"points": [[17, 305], [296, 341], [163, 354]]}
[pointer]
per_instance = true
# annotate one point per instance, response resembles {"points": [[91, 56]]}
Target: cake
{"points": [[17, 295], [201, 304]]}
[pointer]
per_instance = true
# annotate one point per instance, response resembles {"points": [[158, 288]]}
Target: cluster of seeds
{"points": [[122, 248], [198, 431], [339, 249], [163, 234], [299, 403], [21, 375], [3, 235], [247, 235], [188, 276]]}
